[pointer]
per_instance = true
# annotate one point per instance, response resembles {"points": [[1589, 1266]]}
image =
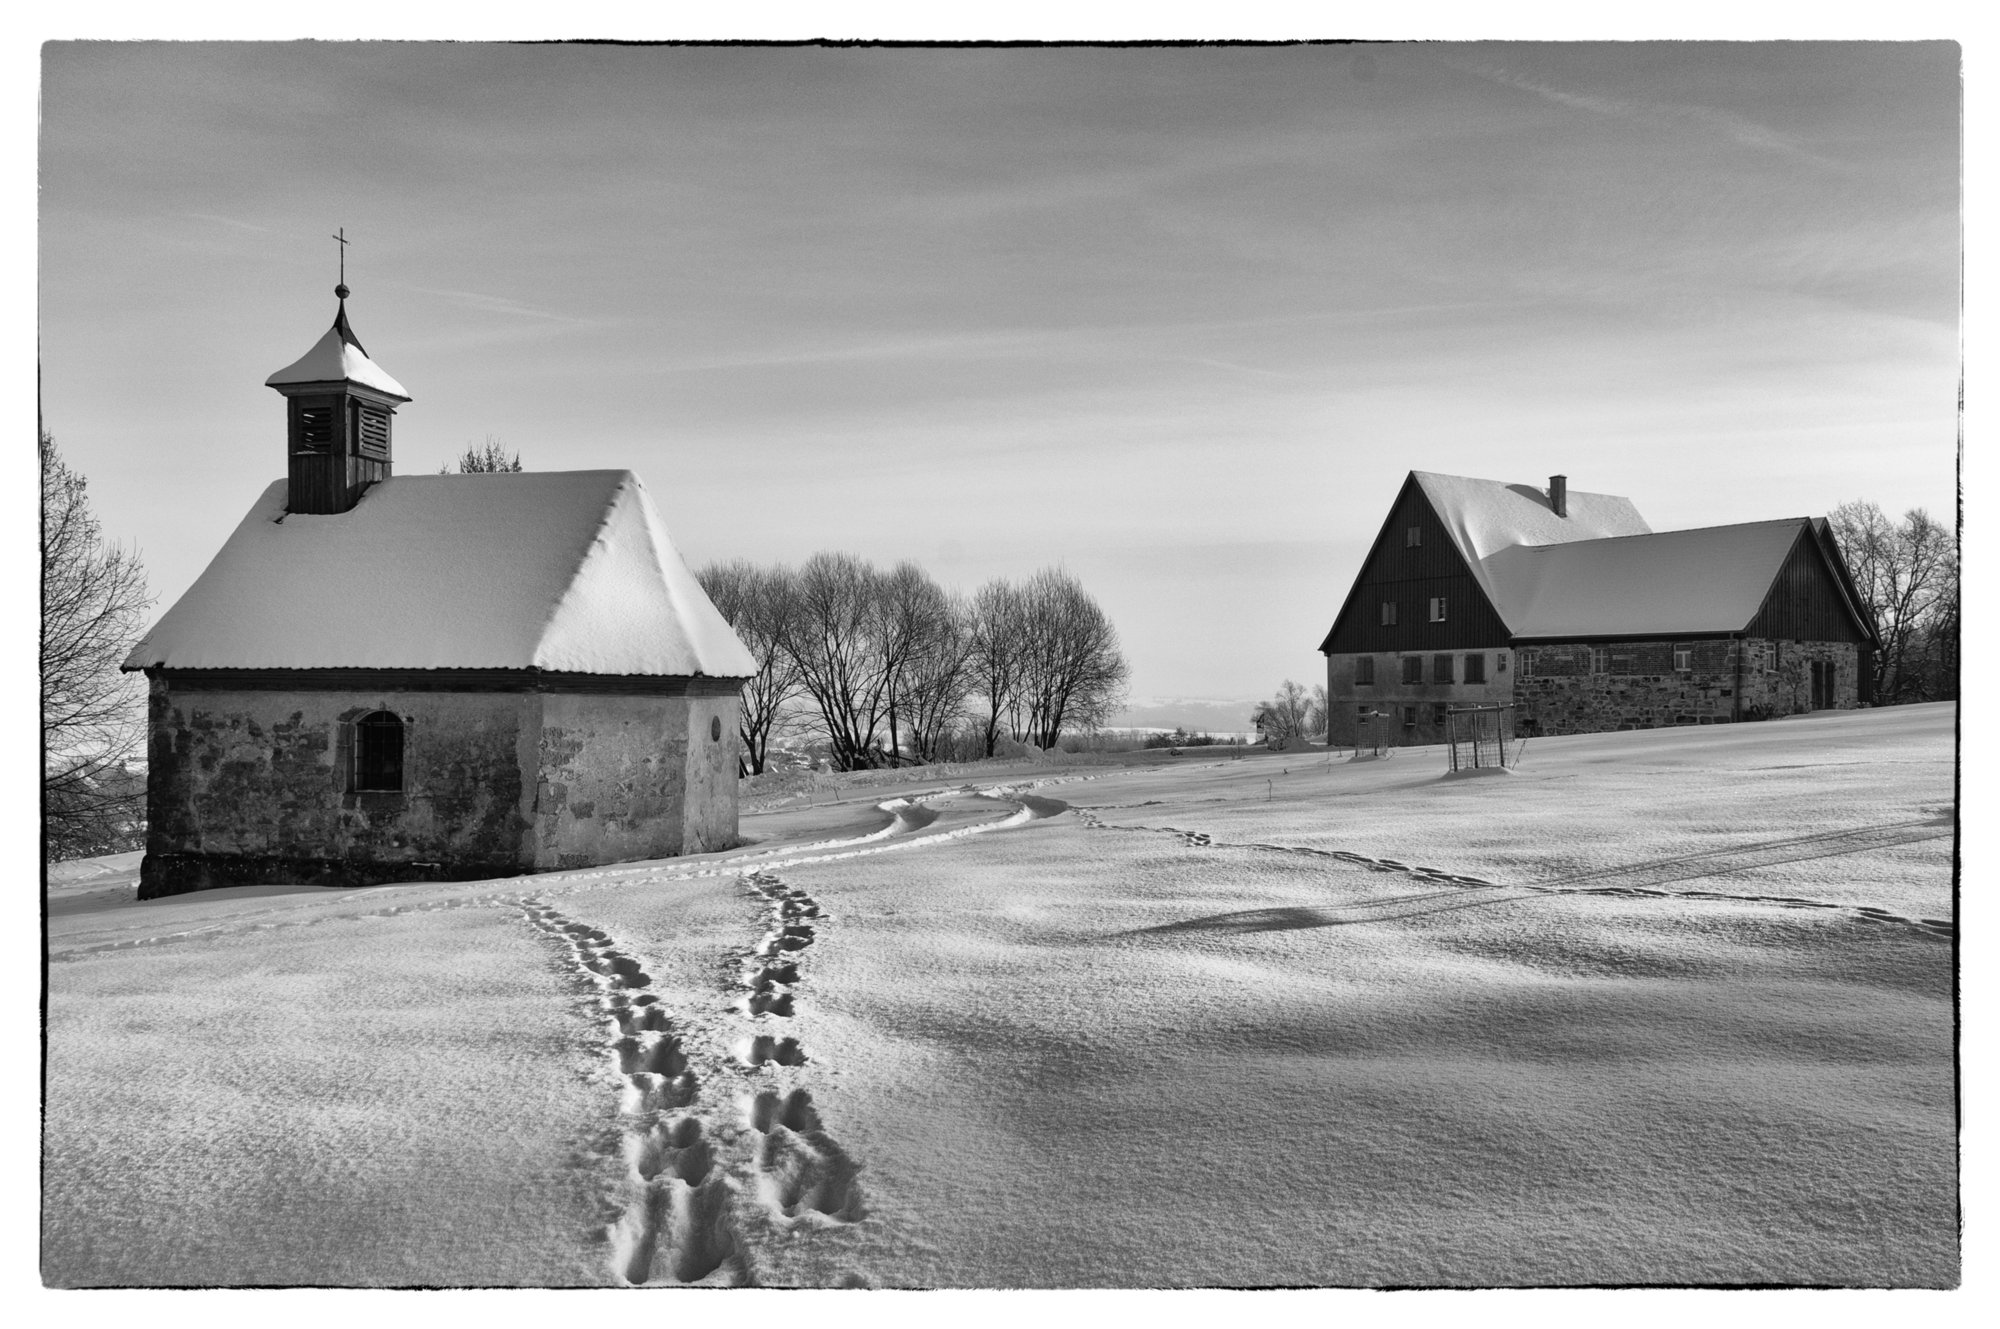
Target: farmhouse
{"points": [[393, 678], [1569, 608]]}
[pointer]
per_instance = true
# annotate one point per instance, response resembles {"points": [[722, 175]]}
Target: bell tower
{"points": [[339, 411]]}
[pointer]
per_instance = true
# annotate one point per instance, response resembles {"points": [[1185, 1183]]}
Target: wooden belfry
{"points": [[340, 405]]}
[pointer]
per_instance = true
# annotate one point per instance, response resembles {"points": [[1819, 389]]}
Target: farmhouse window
{"points": [[1527, 663], [378, 753], [1388, 613], [1409, 717], [1441, 669], [1683, 659], [1475, 668], [1437, 609], [1600, 662], [1437, 713], [1364, 671], [1413, 537], [1500, 663], [1413, 669], [1622, 665]]}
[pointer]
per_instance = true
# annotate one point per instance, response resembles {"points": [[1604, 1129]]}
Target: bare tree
{"points": [[833, 634], [1907, 573], [1290, 714], [1073, 674], [93, 608], [480, 461], [934, 679], [756, 601], [995, 630]]}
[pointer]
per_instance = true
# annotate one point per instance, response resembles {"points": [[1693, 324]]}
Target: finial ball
{"points": [[341, 291]]}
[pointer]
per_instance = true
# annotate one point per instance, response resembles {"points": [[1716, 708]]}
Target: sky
{"points": [[1179, 319]]}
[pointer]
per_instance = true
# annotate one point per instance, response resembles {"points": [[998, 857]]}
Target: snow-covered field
{"points": [[1662, 1007]]}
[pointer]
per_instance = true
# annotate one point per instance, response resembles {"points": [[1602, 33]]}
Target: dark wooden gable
{"points": [[1410, 577], [1813, 598]]}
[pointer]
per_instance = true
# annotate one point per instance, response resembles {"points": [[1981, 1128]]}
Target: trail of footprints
{"points": [[1936, 927], [678, 1221], [800, 1169]]}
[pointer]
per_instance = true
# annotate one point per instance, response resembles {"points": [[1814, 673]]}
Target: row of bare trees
{"points": [[1907, 573], [889, 666]]}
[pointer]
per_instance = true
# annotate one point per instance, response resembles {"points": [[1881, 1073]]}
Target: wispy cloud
{"points": [[228, 221], [1738, 129], [507, 308]]}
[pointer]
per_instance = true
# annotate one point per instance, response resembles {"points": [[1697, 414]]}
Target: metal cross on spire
{"points": [[341, 290]]}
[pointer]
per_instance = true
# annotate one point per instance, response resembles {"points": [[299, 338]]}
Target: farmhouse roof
{"points": [[1712, 579], [336, 357], [567, 571]]}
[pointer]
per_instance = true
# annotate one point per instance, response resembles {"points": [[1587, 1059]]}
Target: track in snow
{"points": [[677, 1224], [801, 1170], [1633, 879]]}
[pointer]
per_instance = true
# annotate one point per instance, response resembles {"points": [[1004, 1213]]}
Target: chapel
{"points": [[386, 677]]}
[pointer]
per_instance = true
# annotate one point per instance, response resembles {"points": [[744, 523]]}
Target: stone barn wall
{"points": [[1346, 698], [1560, 689]]}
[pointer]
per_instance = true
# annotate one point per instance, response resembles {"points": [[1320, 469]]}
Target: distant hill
{"points": [[1194, 714]]}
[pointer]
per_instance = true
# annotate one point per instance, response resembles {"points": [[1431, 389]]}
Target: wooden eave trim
{"points": [[1829, 551], [445, 680], [1712, 634]]}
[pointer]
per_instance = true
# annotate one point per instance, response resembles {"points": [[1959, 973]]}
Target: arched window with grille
{"points": [[378, 753]]}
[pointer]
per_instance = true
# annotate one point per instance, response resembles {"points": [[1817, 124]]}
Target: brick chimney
{"points": [[1559, 495]]}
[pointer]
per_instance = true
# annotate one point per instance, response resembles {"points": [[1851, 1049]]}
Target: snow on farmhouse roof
{"points": [[1601, 570], [564, 570], [1708, 580], [336, 356]]}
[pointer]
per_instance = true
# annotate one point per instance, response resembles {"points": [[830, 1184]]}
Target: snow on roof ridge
{"points": [[337, 357]]}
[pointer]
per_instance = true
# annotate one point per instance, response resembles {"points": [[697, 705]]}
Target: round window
{"points": [[715, 729]]}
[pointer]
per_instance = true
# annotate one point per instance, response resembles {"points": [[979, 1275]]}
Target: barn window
{"points": [[378, 753], [1527, 664], [1475, 669], [1622, 665], [1364, 671], [1413, 669], [1388, 613], [1413, 537], [1437, 609], [1683, 659], [1441, 669], [1500, 662], [1600, 662]]}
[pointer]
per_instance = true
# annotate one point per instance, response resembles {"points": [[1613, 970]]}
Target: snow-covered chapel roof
{"points": [[337, 356], [557, 570]]}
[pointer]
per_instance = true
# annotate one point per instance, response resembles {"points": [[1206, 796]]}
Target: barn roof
{"points": [[337, 356], [567, 570], [1712, 579]]}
